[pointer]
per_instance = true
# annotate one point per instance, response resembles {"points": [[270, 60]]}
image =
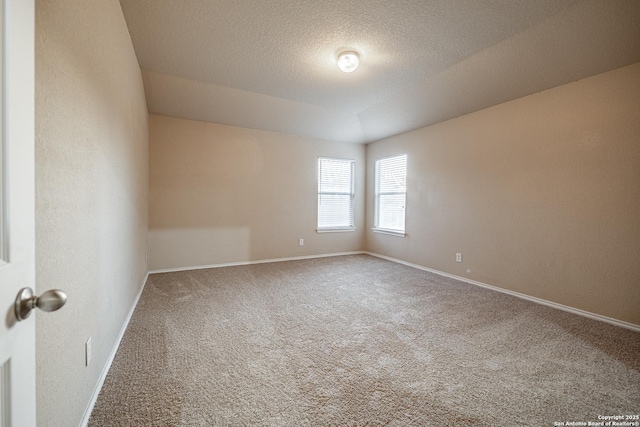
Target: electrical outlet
{"points": [[87, 352], [301, 243], [458, 257]]}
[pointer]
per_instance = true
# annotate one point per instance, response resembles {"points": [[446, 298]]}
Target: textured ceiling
{"points": [[272, 64]]}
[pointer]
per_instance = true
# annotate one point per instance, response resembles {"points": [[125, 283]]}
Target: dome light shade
{"points": [[348, 61]]}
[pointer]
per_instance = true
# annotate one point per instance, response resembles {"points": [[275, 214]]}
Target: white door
{"points": [[17, 259]]}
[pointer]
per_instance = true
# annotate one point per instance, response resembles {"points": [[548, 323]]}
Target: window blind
{"points": [[335, 193], [390, 193]]}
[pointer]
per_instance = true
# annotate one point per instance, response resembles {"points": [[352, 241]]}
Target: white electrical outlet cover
{"points": [[87, 352]]}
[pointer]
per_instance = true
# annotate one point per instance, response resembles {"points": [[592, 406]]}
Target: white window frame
{"points": [[377, 193], [350, 193]]}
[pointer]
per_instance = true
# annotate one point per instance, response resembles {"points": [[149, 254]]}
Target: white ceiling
{"points": [[271, 64]]}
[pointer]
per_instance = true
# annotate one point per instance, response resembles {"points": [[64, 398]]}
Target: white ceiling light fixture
{"points": [[348, 61]]}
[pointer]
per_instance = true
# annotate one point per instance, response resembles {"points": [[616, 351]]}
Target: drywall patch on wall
{"points": [[187, 247]]}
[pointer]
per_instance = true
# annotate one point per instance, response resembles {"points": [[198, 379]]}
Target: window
{"points": [[335, 194], [390, 195]]}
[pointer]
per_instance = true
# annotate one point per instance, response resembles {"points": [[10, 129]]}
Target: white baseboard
{"points": [[105, 370], [112, 355], [552, 304], [262, 261]]}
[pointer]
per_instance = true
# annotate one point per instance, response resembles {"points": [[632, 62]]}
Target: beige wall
{"points": [[91, 194], [221, 194], [541, 195]]}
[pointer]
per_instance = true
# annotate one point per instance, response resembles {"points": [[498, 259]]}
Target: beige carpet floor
{"points": [[359, 341]]}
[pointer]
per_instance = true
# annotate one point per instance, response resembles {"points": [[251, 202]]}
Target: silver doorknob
{"points": [[51, 300]]}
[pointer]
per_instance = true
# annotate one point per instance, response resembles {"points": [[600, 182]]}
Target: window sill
{"points": [[335, 230], [389, 232]]}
